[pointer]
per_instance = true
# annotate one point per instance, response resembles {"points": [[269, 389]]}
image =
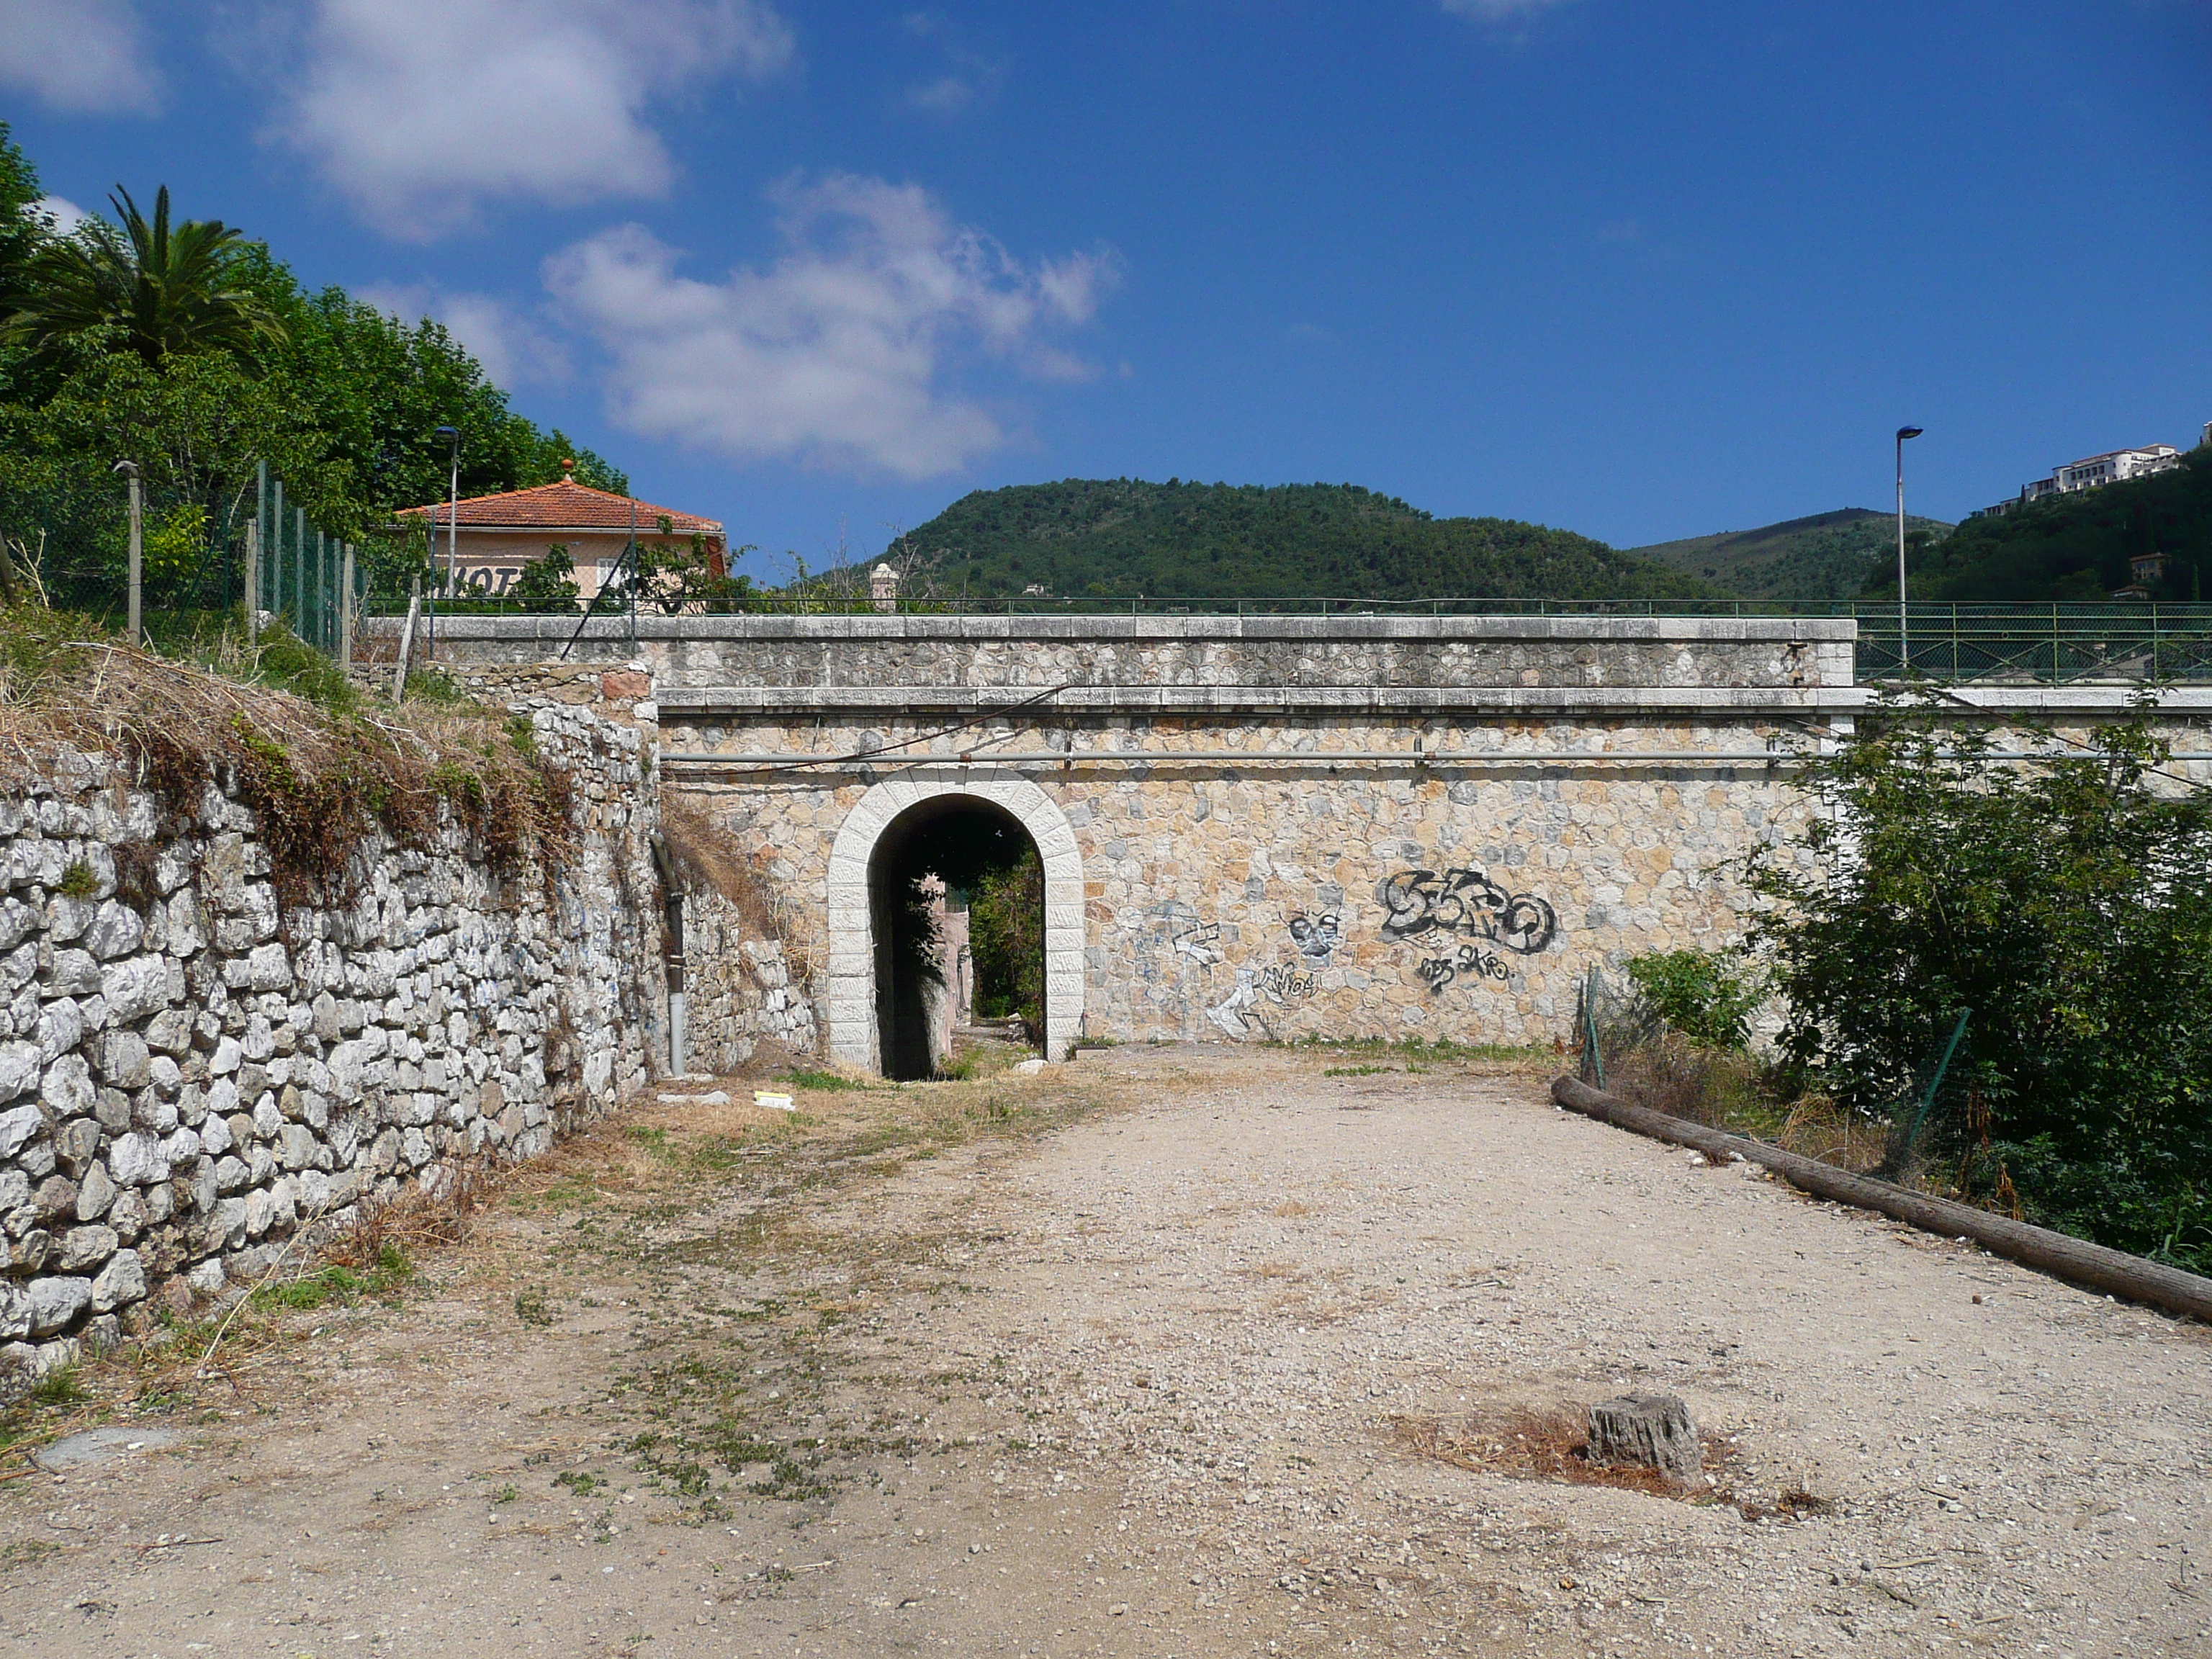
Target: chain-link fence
{"points": [[69, 541], [304, 578]]}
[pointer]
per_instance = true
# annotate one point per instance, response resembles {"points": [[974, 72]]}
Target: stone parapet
{"points": [[1307, 653]]}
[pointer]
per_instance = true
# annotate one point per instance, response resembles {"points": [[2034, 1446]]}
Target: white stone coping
{"points": [[679, 703]]}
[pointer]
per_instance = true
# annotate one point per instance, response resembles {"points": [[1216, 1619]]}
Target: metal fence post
{"points": [[300, 572], [137, 554], [272, 551], [252, 584], [345, 611]]}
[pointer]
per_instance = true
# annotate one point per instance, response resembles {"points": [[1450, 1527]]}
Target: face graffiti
{"points": [[1316, 937], [1465, 901]]}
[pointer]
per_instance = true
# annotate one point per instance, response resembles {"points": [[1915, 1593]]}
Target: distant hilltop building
{"points": [[2094, 471], [497, 535]]}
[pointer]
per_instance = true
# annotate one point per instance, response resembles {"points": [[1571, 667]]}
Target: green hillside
{"points": [[2078, 546], [1815, 561], [1123, 536]]}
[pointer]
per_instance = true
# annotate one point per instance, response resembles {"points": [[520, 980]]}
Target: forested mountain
{"points": [[1822, 560], [1124, 536], [191, 349], [2079, 546]]}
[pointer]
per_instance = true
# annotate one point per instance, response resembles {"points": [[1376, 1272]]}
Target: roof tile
{"points": [[564, 506]]}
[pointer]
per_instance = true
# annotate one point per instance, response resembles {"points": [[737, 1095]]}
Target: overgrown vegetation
{"points": [[324, 772], [1006, 938], [1706, 995], [2066, 902], [186, 346]]}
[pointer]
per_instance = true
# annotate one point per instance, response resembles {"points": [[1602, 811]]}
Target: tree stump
{"points": [[1654, 1429]]}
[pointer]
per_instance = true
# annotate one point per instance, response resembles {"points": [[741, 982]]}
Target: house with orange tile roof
{"points": [[495, 536]]}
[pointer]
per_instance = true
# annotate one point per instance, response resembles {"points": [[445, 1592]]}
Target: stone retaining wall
{"points": [[187, 1076], [739, 988]]}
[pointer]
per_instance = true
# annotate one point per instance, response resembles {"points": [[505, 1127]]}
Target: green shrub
{"points": [[1704, 994], [2068, 903]]}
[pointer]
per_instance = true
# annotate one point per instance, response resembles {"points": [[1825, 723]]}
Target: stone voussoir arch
{"points": [[853, 1037]]}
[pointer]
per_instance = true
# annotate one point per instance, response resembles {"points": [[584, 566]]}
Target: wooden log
{"points": [[1653, 1430], [2075, 1258]]}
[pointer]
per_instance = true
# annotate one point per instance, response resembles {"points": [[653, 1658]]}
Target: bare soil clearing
{"points": [[1141, 1357]]}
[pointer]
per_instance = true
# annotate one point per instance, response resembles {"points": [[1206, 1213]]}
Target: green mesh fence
{"points": [[68, 536], [304, 577]]}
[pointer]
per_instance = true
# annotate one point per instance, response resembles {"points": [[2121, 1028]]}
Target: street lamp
{"points": [[1904, 643], [452, 435]]}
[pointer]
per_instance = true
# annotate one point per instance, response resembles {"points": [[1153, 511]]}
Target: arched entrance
{"points": [[876, 849]]}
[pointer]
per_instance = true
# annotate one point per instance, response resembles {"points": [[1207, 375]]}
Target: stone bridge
{"points": [[1249, 827]]}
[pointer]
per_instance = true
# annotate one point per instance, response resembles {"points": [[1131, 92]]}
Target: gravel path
{"points": [[1143, 1378]]}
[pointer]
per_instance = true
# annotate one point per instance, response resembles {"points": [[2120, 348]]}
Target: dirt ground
{"points": [[1165, 1351]]}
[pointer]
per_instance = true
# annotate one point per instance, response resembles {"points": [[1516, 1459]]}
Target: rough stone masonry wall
{"points": [[740, 987], [188, 1076], [1257, 899]]}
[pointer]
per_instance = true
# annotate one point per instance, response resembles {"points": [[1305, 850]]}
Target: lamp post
{"points": [[452, 435], [1904, 641]]}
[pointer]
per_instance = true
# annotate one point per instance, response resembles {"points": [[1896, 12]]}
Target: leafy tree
{"points": [[2068, 902], [683, 573], [196, 426], [1006, 940], [548, 584], [160, 290], [23, 229]]}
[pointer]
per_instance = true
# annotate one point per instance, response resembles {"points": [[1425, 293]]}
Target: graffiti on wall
{"points": [[1468, 961], [1240, 1013], [1465, 901], [1316, 937], [1201, 943]]}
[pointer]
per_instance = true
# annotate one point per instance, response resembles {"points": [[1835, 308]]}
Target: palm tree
{"points": [[165, 289]]}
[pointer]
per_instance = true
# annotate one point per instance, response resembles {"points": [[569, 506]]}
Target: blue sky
{"points": [[1643, 270]]}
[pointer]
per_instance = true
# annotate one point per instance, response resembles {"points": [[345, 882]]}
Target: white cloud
{"points": [[63, 214], [515, 350], [79, 55], [969, 79], [840, 353], [1499, 11], [419, 110]]}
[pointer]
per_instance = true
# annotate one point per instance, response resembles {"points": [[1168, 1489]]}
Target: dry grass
{"points": [[321, 780], [1724, 1091]]}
